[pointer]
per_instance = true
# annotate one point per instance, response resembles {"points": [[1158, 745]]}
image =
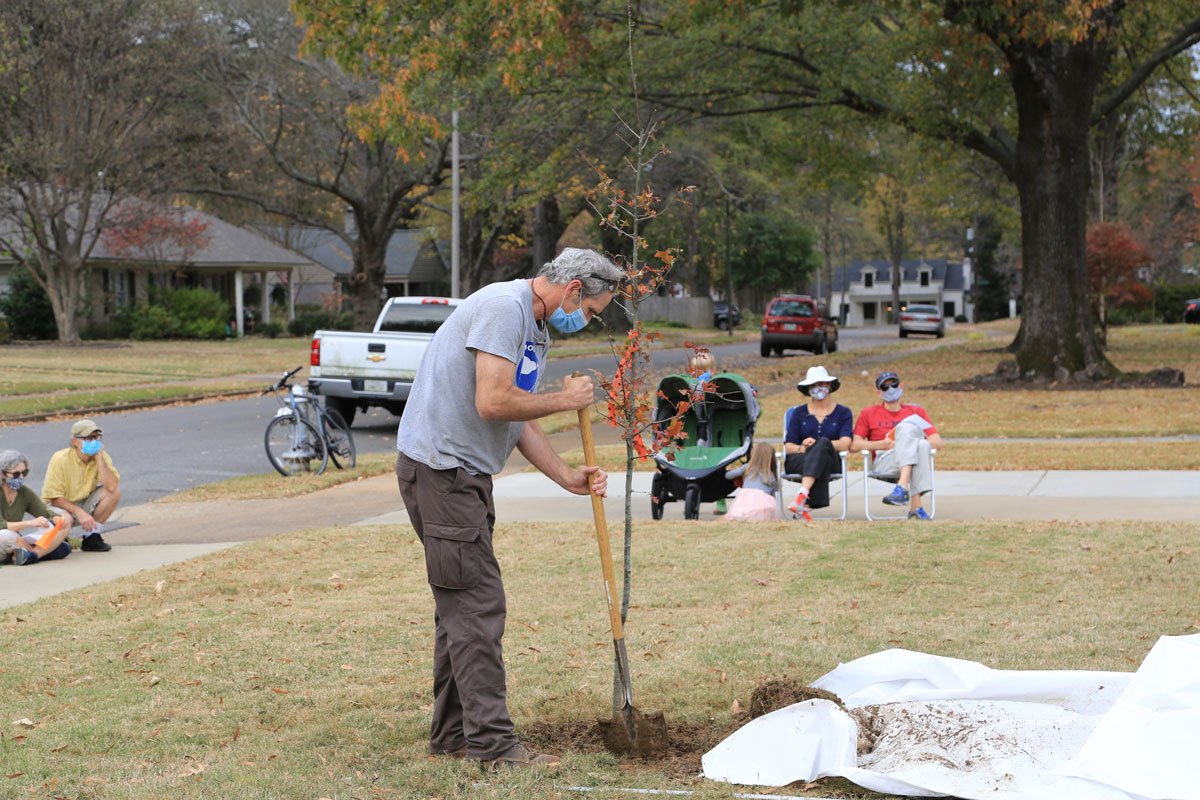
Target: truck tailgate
{"points": [[393, 356]]}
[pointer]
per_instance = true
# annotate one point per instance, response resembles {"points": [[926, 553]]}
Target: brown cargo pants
{"points": [[453, 514]]}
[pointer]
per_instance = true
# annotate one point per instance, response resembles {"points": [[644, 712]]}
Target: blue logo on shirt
{"points": [[527, 370]]}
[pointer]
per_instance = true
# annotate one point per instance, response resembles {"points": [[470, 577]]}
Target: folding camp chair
{"points": [[781, 457], [868, 476]]}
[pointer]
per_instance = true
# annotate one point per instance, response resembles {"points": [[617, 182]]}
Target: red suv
{"points": [[797, 322]]}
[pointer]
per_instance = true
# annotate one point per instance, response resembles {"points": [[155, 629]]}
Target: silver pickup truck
{"points": [[360, 370]]}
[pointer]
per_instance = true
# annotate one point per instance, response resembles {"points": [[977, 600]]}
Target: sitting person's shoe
{"points": [[95, 544], [919, 513], [21, 557], [519, 756], [799, 507], [801, 500], [721, 508], [898, 497]]}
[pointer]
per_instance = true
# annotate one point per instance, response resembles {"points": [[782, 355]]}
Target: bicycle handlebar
{"points": [[282, 382]]}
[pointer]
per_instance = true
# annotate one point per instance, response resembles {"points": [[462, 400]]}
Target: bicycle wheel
{"points": [[294, 446], [339, 439]]}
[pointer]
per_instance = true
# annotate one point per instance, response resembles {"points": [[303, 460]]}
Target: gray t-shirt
{"points": [[441, 426]]}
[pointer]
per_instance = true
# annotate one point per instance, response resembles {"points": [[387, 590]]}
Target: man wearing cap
{"points": [[816, 433], [901, 436], [82, 481]]}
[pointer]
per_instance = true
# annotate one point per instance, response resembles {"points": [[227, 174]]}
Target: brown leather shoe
{"points": [[519, 756]]}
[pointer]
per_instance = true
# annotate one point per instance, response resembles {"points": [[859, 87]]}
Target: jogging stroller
{"points": [[720, 430]]}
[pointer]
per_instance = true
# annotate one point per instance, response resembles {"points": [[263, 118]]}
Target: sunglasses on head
{"points": [[17, 474]]}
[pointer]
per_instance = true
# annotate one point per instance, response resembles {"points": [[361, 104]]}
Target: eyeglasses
{"points": [[16, 474], [94, 437]]}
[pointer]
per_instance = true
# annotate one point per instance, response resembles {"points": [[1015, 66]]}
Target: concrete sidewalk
{"points": [[169, 532]]}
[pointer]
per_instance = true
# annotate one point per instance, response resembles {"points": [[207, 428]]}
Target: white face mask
{"points": [[892, 395], [818, 393]]}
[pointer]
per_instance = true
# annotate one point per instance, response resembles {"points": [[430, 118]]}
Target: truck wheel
{"points": [[344, 406]]}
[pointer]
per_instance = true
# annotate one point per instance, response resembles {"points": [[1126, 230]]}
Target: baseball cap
{"points": [[884, 377], [84, 427]]}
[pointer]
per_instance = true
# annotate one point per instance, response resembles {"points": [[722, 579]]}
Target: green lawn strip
{"points": [[299, 666], [272, 485], [88, 401]]}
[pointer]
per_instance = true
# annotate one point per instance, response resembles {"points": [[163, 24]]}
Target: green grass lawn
{"points": [[299, 666]]}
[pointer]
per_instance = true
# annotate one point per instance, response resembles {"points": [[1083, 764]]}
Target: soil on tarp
{"points": [[780, 693], [687, 741]]}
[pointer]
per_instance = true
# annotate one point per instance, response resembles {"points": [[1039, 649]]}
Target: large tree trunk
{"points": [[367, 278], [547, 228], [1055, 89]]}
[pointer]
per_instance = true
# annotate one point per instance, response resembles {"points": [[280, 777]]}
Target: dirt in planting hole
{"points": [[687, 740]]}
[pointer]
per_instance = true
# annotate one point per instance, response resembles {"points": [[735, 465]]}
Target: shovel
{"points": [[634, 732]]}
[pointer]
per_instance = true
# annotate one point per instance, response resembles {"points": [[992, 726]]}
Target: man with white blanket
{"points": [[901, 437]]}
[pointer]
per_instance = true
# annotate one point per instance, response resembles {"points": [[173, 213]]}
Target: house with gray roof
{"points": [[863, 290], [414, 264], [131, 256]]}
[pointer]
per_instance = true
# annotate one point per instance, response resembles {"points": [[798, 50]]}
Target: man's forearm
{"points": [[517, 405], [66, 505], [108, 478], [536, 448]]}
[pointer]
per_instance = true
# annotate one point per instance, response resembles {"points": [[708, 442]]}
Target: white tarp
{"points": [[943, 726]]}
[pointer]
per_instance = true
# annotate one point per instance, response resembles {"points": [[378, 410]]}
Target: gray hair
{"points": [[597, 273], [9, 460]]}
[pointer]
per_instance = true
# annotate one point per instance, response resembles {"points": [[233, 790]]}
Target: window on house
{"points": [[924, 277], [868, 280], [845, 315], [869, 311], [948, 309]]}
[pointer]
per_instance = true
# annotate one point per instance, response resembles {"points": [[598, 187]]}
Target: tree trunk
{"points": [[367, 278], [1055, 88], [63, 285], [547, 228]]}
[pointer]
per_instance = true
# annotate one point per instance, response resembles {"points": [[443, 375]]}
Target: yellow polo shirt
{"points": [[69, 476]]}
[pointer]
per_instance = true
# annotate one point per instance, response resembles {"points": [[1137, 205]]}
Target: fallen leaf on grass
{"points": [[14, 774], [158, 587], [280, 691], [736, 708], [24, 722], [58, 749]]}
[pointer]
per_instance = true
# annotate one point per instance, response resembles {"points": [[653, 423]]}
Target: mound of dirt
{"points": [[783, 692]]}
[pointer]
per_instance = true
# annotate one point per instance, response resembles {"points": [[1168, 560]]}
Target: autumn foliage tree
{"points": [[1114, 257]]}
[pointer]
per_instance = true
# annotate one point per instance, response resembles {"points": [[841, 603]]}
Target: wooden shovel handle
{"points": [[606, 562]]}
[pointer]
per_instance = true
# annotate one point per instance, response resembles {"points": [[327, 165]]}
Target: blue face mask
{"points": [[892, 395], [15, 483], [91, 447], [569, 323]]}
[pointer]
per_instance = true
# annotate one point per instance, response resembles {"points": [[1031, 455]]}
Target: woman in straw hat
{"points": [[816, 433]]}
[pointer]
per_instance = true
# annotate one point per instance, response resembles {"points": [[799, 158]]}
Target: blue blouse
{"points": [[802, 425]]}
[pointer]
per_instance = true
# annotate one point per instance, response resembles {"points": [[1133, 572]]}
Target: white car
{"points": [[922, 319]]}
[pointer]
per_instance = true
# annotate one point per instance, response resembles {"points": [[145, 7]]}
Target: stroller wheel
{"points": [[657, 500], [691, 502]]}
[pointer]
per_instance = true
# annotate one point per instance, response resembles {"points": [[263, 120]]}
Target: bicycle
{"points": [[304, 435]]}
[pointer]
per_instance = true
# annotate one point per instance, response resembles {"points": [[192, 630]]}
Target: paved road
{"points": [[165, 450]]}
